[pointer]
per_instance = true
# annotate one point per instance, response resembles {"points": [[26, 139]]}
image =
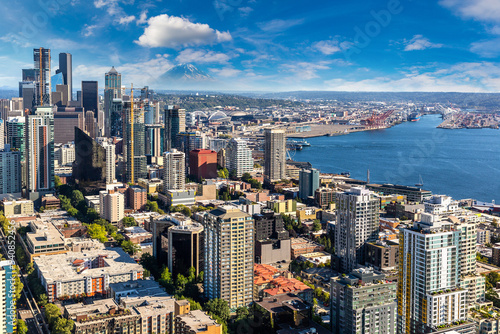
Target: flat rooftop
{"points": [[279, 303], [138, 288], [198, 320], [73, 266]]}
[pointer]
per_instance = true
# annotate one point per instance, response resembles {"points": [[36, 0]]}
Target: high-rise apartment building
{"points": [[2, 134], [175, 123], [238, 157], [229, 256], [10, 171], [308, 182], [43, 87], [155, 138], [66, 68], [203, 164], [7, 303], [112, 205], [109, 148], [39, 153], [15, 130], [357, 223], [429, 296], [90, 96], [274, 155], [363, 302], [174, 170]]}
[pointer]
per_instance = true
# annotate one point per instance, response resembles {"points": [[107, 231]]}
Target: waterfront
{"points": [[463, 163]]}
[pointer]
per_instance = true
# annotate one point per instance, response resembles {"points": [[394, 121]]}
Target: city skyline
{"points": [[256, 46]]}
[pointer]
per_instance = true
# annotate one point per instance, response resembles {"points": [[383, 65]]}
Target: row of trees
{"points": [[57, 324]]}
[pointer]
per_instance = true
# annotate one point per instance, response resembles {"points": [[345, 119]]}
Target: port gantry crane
{"points": [[378, 120]]}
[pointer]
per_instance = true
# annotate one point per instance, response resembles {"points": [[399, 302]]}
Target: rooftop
{"points": [[279, 303], [78, 265], [198, 320]]}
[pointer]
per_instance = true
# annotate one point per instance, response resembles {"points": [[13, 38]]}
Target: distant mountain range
{"points": [[185, 72]]}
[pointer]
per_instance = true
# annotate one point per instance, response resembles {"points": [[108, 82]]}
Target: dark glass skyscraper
{"points": [[90, 159], [90, 96], [65, 67], [175, 122]]}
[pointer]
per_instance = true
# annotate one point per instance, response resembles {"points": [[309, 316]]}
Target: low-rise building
{"points": [[316, 258], [43, 239], [285, 309], [136, 289], [178, 197], [303, 246], [382, 255], [19, 207], [307, 213], [195, 322], [85, 273], [136, 198], [152, 186]]}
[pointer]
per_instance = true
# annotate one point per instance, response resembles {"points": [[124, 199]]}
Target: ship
{"points": [[414, 117], [294, 146], [302, 143]]}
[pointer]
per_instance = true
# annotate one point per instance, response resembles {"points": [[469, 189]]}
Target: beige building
{"points": [[274, 155], [229, 256], [112, 205], [18, 207], [43, 239]]}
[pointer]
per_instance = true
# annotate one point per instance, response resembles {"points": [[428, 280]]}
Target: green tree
{"points": [[219, 308], [52, 313], [129, 221], [98, 232], [76, 197], [17, 283], [63, 326], [200, 277], [194, 305], [246, 177], [166, 276], [186, 211], [129, 247], [57, 181], [21, 327], [42, 300], [316, 225]]}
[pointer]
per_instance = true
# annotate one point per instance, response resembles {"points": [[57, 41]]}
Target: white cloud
{"points": [[126, 19], [463, 77], [226, 72], [201, 56], [173, 32], [305, 70], [16, 39], [245, 11], [141, 73], [143, 18], [327, 47], [487, 49], [89, 30], [419, 42], [279, 25], [481, 10]]}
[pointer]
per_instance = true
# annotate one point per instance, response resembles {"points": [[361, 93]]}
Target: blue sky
{"points": [[257, 45]]}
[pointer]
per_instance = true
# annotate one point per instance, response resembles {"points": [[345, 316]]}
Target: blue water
{"points": [[462, 163]]}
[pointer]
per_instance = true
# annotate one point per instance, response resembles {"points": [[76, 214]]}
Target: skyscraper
{"points": [[357, 223], [174, 170], [65, 67], [229, 256], [113, 82], [90, 159], [2, 134], [7, 302], [134, 143], [90, 96], [274, 155], [238, 157], [43, 87], [429, 296], [40, 153], [15, 133], [308, 182], [155, 138], [109, 147], [90, 123], [175, 123], [10, 171], [185, 243]]}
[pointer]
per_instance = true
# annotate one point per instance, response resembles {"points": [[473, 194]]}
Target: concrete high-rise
{"points": [[2, 134], [357, 224], [238, 157], [308, 182], [274, 155], [229, 256], [113, 82], [112, 205], [39, 153], [64, 125], [203, 164], [174, 170], [175, 123], [90, 123], [43, 87], [429, 296], [109, 147], [363, 302], [10, 171], [66, 68], [90, 96]]}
